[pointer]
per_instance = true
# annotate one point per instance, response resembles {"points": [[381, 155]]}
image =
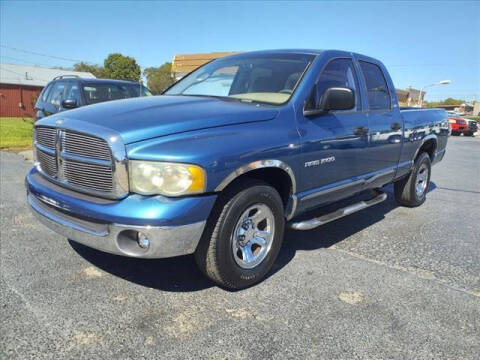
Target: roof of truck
{"points": [[301, 51]]}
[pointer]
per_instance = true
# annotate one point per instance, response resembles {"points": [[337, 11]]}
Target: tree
{"points": [[452, 101], [118, 66], [447, 101], [158, 79], [97, 70]]}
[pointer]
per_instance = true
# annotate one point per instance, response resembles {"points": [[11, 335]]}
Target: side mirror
{"points": [[335, 98], [69, 104]]}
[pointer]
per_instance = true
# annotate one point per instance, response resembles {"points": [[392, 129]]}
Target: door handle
{"points": [[396, 126]]}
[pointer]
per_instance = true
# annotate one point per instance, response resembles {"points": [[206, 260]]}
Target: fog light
{"points": [[143, 241]]}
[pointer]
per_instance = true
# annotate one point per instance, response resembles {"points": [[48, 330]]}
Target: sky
{"points": [[420, 42]]}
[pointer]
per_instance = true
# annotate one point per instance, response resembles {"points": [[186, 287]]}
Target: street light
{"points": [[443, 82]]}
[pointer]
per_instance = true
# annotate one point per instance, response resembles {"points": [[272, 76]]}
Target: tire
{"points": [[406, 191], [215, 254], [455, 133], [468, 133]]}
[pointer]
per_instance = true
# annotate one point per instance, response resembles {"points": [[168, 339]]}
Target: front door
{"points": [[332, 143]]}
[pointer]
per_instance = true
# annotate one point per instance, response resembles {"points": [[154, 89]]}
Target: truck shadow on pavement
{"points": [[181, 274]]}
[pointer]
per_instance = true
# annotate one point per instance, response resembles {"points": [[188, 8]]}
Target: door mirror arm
{"points": [[313, 112]]}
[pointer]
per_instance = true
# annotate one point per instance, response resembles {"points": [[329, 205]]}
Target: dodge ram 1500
{"points": [[228, 156]]}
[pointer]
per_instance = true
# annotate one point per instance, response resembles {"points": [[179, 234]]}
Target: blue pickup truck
{"points": [[231, 154]]}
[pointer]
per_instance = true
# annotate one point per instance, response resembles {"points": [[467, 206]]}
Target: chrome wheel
{"points": [[421, 180], [253, 236]]}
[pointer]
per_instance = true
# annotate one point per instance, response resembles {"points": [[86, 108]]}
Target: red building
{"points": [[21, 84]]}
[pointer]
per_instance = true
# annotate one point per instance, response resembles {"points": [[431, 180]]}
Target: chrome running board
{"points": [[315, 222]]}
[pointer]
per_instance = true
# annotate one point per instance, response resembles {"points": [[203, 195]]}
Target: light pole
{"points": [[443, 82]]}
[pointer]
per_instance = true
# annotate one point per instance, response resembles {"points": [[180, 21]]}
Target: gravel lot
{"points": [[388, 282]]}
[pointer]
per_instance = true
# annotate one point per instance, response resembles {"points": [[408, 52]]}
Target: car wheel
{"points": [[468, 133], [411, 191], [243, 236], [455, 133]]}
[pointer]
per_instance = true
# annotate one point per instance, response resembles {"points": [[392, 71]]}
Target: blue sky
{"points": [[420, 42]]}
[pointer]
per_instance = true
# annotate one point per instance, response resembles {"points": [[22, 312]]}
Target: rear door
{"points": [[332, 143], [385, 123]]}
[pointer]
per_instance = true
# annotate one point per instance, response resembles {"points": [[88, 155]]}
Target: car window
{"points": [[45, 91], [216, 84], [268, 78], [73, 92], [338, 73], [56, 95], [100, 92], [377, 89]]}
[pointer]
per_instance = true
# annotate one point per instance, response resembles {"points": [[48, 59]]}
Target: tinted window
{"points": [[73, 92], [42, 97], [56, 95], [377, 89], [338, 73], [95, 93]]}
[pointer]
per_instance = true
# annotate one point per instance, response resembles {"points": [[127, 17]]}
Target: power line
{"points": [[45, 55], [26, 61]]}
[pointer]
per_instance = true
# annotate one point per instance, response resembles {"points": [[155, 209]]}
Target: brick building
{"points": [[21, 84]]}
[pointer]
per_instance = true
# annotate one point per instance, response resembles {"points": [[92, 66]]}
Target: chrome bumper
{"points": [[120, 239]]}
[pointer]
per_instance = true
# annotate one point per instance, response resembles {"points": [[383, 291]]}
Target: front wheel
{"points": [[412, 190], [243, 236]]}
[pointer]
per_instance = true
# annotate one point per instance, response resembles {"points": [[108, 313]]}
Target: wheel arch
{"points": [[276, 173], [429, 145]]}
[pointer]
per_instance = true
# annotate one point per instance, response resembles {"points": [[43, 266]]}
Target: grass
{"points": [[15, 133]]}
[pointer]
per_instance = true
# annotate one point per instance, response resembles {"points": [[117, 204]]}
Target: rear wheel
{"points": [[243, 236], [411, 190], [468, 133]]}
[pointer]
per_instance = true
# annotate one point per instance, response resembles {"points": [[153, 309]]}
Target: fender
{"points": [[424, 140], [259, 164]]}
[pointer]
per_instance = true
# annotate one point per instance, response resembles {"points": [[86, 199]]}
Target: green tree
{"points": [[452, 101], [118, 66], [97, 70], [447, 101], [159, 78]]}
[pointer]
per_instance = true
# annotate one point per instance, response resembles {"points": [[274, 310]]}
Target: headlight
{"points": [[170, 179]]}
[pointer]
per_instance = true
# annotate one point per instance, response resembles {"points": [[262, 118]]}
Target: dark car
{"points": [[68, 92]]}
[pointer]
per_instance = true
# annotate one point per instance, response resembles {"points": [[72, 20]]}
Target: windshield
{"points": [[269, 78], [95, 93]]}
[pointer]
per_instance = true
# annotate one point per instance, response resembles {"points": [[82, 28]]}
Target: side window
{"points": [[338, 73], [56, 95], [73, 92], [377, 89], [42, 97]]}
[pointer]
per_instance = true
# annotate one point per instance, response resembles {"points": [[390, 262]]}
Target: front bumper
{"points": [[71, 216]]}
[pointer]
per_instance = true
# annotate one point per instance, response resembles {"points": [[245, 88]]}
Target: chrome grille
{"points": [[89, 176], [48, 163], [80, 161], [46, 136], [84, 145]]}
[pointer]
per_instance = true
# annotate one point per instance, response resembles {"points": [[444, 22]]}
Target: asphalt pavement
{"points": [[385, 283]]}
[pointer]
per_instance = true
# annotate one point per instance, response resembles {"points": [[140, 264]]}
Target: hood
{"points": [[149, 117]]}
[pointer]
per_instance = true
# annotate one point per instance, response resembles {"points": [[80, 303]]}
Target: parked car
{"points": [[220, 172], [70, 91], [472, 127], [458, 125]]}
